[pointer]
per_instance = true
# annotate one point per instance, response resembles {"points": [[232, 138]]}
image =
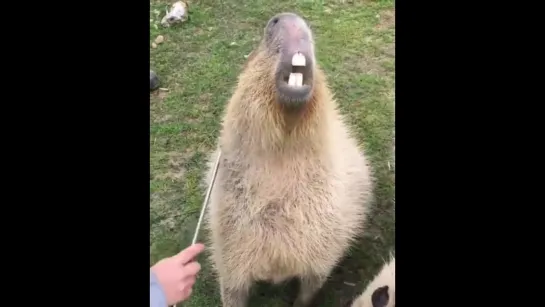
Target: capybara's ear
{"points": [[380, 297]]}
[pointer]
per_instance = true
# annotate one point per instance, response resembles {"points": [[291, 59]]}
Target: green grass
{"points": [[199, 62]]}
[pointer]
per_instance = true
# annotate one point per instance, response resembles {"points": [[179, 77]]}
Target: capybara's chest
{"points": [[283, 213], [284, 199]]}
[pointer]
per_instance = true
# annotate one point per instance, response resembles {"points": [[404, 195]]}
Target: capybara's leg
{"points": [[233, 294], [309, 287]]}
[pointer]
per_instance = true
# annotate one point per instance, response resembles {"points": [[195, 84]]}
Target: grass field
{"points": [[199, 62]]}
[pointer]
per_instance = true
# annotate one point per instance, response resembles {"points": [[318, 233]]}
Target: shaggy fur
{"points": [[292, 188], [381, 290]]}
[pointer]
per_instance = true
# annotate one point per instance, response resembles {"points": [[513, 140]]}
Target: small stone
{"points": [[153, 45], [153, 80], [159, 39]]}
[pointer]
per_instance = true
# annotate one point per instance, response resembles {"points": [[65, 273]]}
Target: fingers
{"points": [[187, 293], [189, 282], [192, 268], [189, 253], [187, 287]]}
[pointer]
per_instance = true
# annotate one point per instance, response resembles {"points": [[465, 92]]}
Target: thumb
{"points": [[189, 253]]}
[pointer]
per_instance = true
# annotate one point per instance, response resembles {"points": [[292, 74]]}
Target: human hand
{"points": [[177, 274]]}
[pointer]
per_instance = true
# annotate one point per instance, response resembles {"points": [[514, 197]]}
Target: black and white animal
{"points": [[381, 291]]}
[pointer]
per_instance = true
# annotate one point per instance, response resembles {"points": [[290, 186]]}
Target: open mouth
{"points": [[294, 86], [296, 78]]}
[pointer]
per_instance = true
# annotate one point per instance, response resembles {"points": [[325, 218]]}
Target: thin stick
{"points": [[205, 203]]}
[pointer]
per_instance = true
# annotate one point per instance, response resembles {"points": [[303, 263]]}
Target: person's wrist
{"points": [[156, 289]]}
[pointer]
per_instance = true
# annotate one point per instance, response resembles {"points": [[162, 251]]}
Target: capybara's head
{"points": [[289, 47]]}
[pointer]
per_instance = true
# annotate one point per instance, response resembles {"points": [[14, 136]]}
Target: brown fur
{"points": [[386, 277], [292, 188]]}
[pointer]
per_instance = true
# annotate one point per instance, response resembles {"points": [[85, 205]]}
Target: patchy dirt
{"points": [[158, 95], [386, 19], [390, 50], [162, 119], [369, 65], [175, 175], [169, 222], [193, 120], [176, 169], [204, 102]]}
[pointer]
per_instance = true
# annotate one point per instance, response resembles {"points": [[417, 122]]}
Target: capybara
{"points": [[293, 187]]}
